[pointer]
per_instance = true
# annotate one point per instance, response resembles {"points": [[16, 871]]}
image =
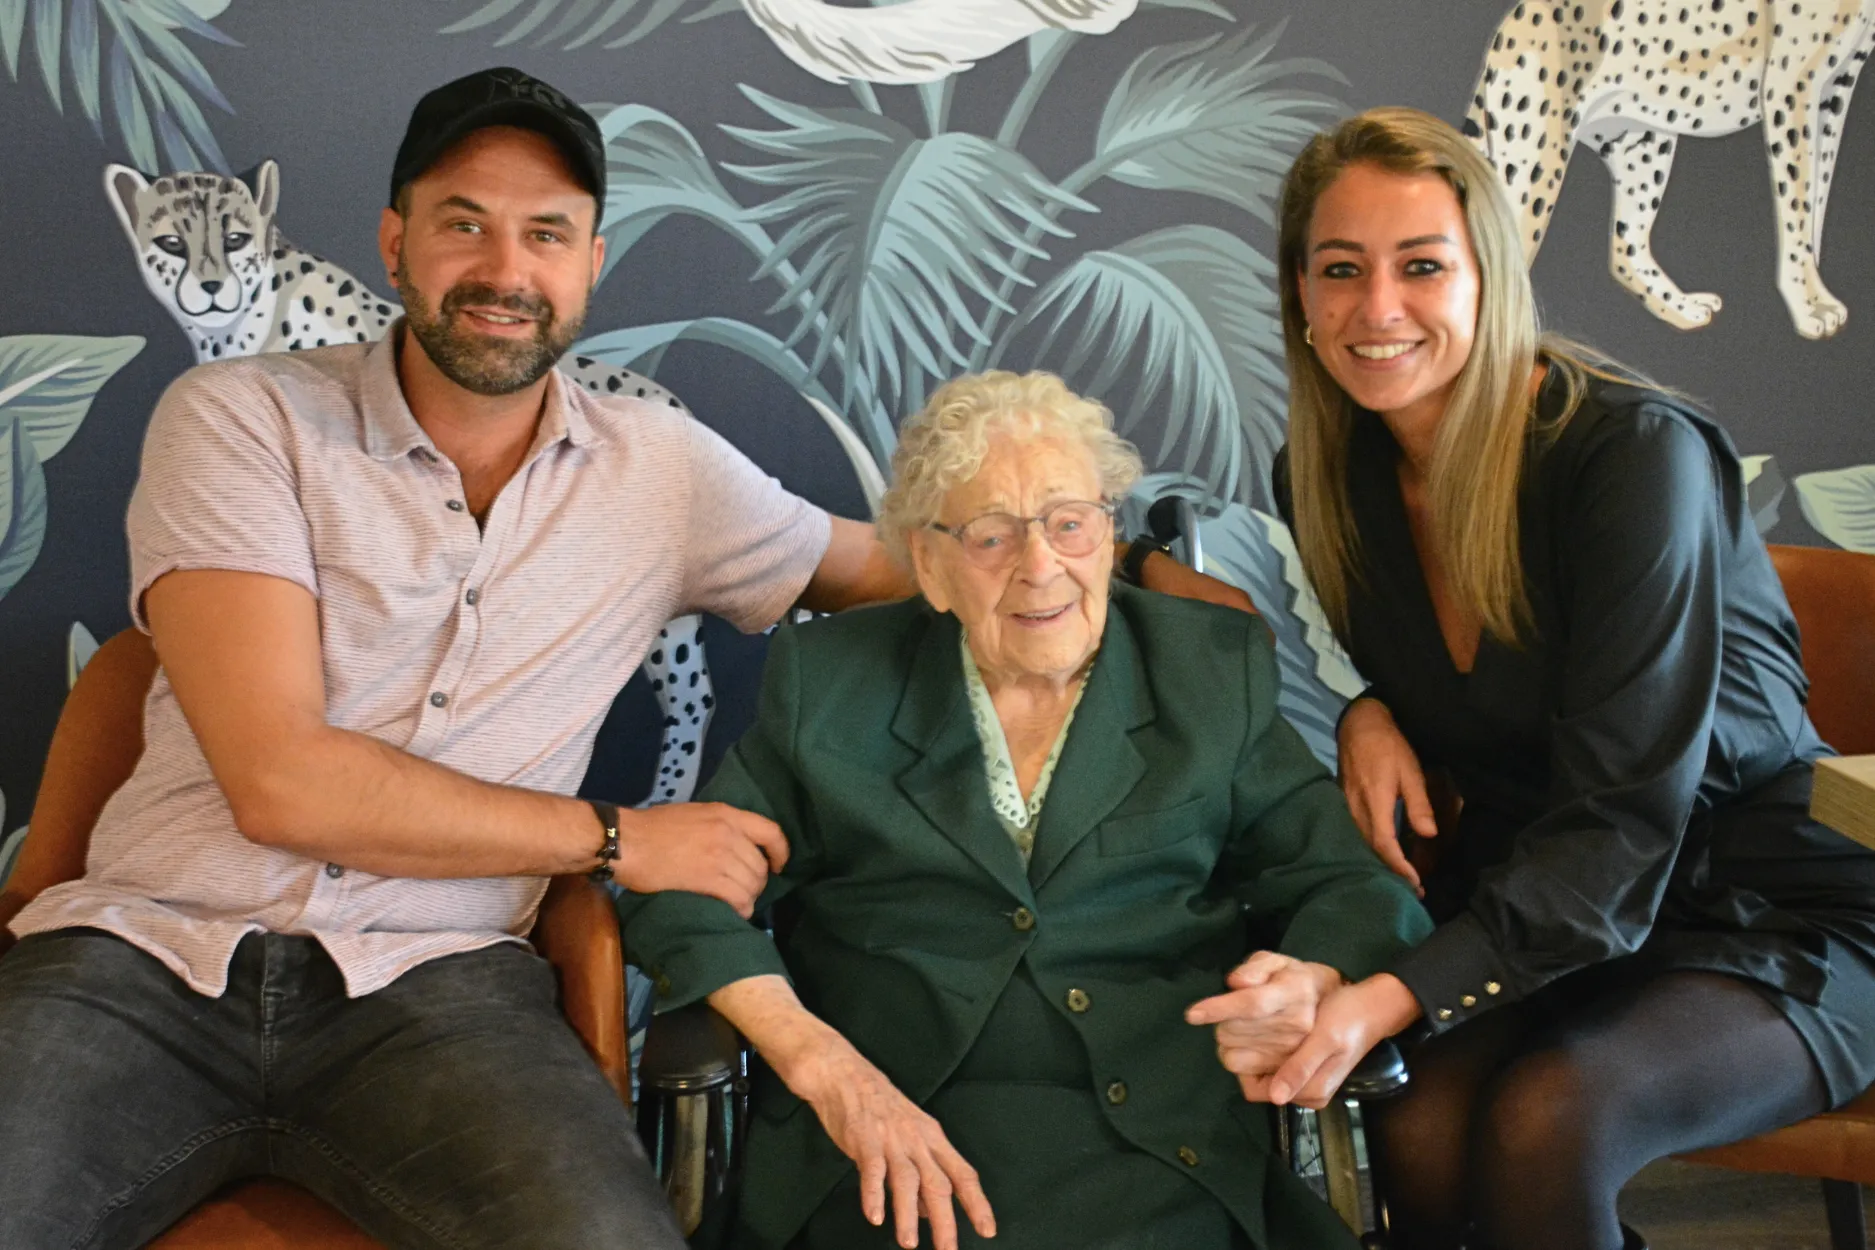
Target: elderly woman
{"points": [[1033, 818], [1548, 571]]}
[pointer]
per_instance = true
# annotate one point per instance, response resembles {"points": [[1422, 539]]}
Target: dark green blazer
{"points": [[1185, 815]]}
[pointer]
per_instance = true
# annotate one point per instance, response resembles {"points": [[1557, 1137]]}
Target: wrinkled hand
{"points": [[895, 1143], [705, 848], [1350, 1022], [1269, 1010], [1378, 768]]}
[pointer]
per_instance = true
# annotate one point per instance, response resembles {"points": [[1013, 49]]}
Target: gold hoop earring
{"points": [[1308, 335]]}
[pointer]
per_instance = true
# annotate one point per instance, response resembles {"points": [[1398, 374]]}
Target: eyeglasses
{"points": [[1073, 527]]}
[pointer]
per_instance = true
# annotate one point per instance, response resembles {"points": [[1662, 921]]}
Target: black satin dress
{"points": [[1636, 775]]}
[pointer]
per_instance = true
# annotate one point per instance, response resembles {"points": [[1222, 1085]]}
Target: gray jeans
{"points": [[453, 1108]]}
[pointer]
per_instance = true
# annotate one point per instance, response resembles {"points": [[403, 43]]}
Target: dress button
{"points": [[1444, 1013], [1078, 1001], [455, 505], [1023, 919], [438, 698], [1116, 1093], [473, 597], [1188, 1156], [1470, 1000], [1492, 987], [334, 871]]}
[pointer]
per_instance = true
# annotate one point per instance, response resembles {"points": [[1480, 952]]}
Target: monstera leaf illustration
{"points": [[897, 239], [1840, 505], [134, 47], [46, 386], [1187, 316]]}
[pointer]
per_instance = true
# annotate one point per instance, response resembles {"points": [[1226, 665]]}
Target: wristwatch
{"points": [[608, 821], [1137, 549]]}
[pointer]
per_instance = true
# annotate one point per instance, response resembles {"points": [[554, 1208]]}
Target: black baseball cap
{"points": [[499, 97]]}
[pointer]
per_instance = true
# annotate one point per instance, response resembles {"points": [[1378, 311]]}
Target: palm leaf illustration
{"points": [[1839, 504], [642, 348], [581, 22], [1186, 318], [655, 170], [156, 81], [47, 382], [897, 240], [1202, 117]]}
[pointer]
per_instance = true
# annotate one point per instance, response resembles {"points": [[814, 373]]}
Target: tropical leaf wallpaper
{"points": [[819, 210]]}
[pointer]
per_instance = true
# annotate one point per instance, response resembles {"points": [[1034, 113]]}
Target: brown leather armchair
{"points": [[96, 745], [1833, 596]]}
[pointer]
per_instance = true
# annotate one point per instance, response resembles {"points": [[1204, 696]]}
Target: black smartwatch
{"points": [[1134, 560], [608, 821]]}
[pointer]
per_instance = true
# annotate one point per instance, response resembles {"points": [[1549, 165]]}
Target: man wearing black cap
{"points": [[393, 587]]}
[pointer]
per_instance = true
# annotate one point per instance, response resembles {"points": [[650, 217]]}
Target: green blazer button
{"points": [[1116, 1093], [1188, 1156], [1078, 1001], [1023, 919]]}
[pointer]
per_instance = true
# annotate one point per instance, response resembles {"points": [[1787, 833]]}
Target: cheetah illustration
{"points": [[210, 251], [212, 254], [1632, 77]]}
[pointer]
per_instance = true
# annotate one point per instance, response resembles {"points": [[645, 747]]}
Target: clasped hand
{"points": [[1291, 1031]]}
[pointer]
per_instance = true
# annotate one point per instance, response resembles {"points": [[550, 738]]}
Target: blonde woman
{"points": [[1548, 572]]}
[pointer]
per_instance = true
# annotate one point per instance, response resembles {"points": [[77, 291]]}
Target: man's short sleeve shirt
{"points": [[494, 649]]}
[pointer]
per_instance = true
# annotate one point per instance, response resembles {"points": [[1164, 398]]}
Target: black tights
{"points": [[1522, 1128]]}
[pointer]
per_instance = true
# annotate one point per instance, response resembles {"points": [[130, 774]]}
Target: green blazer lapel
{"points": [[947, 784], [1099, 764]]}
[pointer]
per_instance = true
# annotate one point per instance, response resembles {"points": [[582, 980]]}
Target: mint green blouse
{"points": [[1019, 817]]}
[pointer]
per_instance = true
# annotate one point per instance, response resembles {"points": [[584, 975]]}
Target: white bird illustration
{"points": [[919, 40]]}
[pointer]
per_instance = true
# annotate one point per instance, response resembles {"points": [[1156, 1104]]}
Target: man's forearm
{"points": [[350, 799]]}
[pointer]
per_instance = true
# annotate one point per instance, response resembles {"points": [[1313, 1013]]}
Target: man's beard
{"points": [[483, 363]]}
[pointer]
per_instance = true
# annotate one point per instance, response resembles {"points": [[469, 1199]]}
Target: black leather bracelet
{"points": [[608, 820], [1137, 550]]}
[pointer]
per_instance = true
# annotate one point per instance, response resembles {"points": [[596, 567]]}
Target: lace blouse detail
{"points": [[1018, 816]]}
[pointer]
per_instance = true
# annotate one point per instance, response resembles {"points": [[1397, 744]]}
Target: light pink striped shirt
{"points": [[495, 653]]}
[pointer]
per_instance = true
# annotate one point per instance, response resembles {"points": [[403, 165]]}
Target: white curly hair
{"points": [[943, 446]]}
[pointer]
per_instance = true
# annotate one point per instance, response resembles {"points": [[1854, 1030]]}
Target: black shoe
{"points": [[1631, 1240]]}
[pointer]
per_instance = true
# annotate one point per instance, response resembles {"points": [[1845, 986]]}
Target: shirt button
{"points": [[1116, 1093], [1078, 1001], [1492, 987], [455, 505], [438, 698], [334, 871], [1470, 1000], [1444, 1013], [1188, 1156], [473, 597], [1023, 919]]}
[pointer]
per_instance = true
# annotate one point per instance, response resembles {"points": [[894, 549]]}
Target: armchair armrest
{"points": [[1382, 1074], [690, 1049], [577, 932]]}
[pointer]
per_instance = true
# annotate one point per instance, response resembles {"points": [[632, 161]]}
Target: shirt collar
{"points": [[392, 432]]}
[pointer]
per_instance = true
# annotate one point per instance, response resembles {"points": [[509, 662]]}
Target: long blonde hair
{"points": [[1477, 456]]}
